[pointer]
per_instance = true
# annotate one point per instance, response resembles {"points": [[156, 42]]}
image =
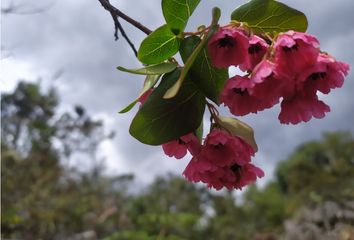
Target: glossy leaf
{"points": [[150, 81], [209, 79], [177, 12], [156, 69], [270, 16], [238, 128], [161, 120], [171, 92], [160, 45]]}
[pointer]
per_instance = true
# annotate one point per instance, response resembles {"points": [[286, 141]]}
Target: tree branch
{"points": [[114, 11], [118, 26], [121, 29]]}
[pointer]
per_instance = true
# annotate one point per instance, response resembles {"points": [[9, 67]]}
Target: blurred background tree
{"points": [[310, 197], [41, 196]]}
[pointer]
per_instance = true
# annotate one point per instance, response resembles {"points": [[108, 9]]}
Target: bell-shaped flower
{"points": [[236, 96], [227, 47], [257, 49], [295, 52], [301, 108], [178, 148], [224, 161]]}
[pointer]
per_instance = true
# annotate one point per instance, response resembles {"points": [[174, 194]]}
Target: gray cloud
{"points": [[77, 36]]}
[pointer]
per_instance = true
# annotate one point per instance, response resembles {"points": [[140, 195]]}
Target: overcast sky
{"points": [[76, 37]]}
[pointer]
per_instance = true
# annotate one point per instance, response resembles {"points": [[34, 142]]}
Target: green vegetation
{"points": [[311, 196]]}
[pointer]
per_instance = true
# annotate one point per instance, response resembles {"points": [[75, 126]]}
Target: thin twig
{"points": [[113, 10], [127, 38], [118, 26], [196, 33], [121, 29]]}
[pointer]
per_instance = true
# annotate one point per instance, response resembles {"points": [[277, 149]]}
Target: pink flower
{"points": [[256, 51], [224, 161], [268, 86], [224, 149], [325, 75], [294, 52], [247, 174], [302, 108], [228, 46], [303, 104], [237, 98], [178, 148]]}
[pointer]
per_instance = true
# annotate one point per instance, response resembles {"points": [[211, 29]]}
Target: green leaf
{"points": [[216, 12], [160, 45], [129, 107], [238, 128], [171, 92], [199, 131], [209, 79], [161, 120], [270, 16], [156, 69], [150, 81], [177, 12]]}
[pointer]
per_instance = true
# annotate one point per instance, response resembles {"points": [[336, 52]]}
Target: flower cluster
{"points": [[222, 161], [291, 69]]}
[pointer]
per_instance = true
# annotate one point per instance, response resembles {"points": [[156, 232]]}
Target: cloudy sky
{"points": [[75, 38]]}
